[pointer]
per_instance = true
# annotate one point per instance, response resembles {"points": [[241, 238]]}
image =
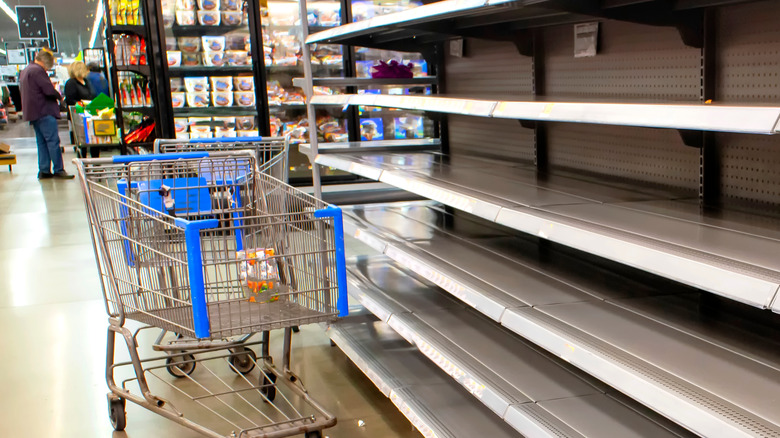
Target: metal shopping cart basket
{"points": [[210, 250], [271, 152]]}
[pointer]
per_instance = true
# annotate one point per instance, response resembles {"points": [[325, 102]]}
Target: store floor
{"points": [[53, 326]]}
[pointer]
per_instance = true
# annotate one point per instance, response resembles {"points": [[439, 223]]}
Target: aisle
{"points": [[52, 325]]}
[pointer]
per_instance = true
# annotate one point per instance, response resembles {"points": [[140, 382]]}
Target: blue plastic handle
{"points": [[226, 140], [124, 159]]}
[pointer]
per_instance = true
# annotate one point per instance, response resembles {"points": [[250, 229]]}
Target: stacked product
{"points": [[125, 12], [133, 90], [129, 50], [215, 127], [214, 91]]}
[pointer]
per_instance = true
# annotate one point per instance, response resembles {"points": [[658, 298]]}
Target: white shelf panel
{"points": [[610, 342], [368, 82], [716, 118], [724, 261]]}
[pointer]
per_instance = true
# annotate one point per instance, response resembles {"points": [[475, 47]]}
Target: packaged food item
{"points": [[180, 124], [194, 135], [208, 5], [185, 18], [219, 83], [188, 44], [170, 44], [244, 98], [201, 124], [222, 98], [231, 5], [177, 99], [238, 42], [200, 128], [185, 5], [259, 274], [248, 133], [208, 18], [190, 59], [227, 122], [244, 83], [213, 58], [213, 43], [198, 100], [174, 58], [232, 18], [182, 136], [177, 84], [236, 57], [196, 84], [224, 133], [245, 123]]}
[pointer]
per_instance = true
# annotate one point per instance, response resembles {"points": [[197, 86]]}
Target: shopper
{"points": [[78, 87], [97, 80], [41, 103]]}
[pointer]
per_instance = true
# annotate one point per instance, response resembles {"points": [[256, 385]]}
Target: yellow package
{"points": [[121, 16], [135, 15]]}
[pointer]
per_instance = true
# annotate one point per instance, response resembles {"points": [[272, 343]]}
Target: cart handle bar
{"points": [[126, 159], [232, 140]]}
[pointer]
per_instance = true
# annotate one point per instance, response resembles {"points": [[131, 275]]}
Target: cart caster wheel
{"points": [[296, 329], [313, 434], [268, 378], [180, 366], [243, 360], [116, 413]]}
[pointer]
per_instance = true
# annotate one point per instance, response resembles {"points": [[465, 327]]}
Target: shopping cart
{"points": [[207, 248], [271, 152]]}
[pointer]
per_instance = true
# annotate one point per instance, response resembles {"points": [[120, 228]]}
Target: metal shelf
{"points": [[144, 70], [719, 118], [432, 402], [606, 320], [378, 146], [145, 110], [227, 70], [216, 111], [591, 216], [198, 30], [368, 82], [139, 30]]}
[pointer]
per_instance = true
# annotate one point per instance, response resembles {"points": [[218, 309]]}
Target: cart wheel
{"points": [[268, 378], [243, 360], [180, 366], [296, 329], [116, 413], [313, 434]]}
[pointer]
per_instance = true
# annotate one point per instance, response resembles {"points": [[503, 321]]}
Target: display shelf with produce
{"points": [[131, 70]]}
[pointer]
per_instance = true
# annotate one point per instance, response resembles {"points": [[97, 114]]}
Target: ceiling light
{"points": [[2, 52], [8, 11], [96, 25]]}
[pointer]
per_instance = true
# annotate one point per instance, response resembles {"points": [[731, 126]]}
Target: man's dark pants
{"points": [[48, 138]]}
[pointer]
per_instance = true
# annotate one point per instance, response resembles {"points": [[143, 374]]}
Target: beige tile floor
{"points": [[52, 326]]}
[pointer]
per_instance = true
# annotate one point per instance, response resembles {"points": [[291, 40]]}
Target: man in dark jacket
{"points": [[96, 78], [41, 107]]}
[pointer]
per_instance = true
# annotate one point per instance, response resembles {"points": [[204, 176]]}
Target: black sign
{"points": [[32, 22], [52, 38]]}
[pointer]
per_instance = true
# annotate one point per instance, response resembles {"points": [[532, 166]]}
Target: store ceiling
{"points": [[69, 18]]}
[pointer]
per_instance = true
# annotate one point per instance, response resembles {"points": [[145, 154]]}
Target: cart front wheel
{"points": [[116, 414], [243, 360], [180, 366], [313, 434], [268, 383]]}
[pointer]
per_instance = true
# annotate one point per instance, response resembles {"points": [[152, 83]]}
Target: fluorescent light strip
{"points": [[11, 13], [2, 52], [96, 24]]}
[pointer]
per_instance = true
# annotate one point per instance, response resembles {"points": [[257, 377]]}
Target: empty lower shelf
{"points": [[432, 402], [513, 379], [732, 257], [643, 335]]}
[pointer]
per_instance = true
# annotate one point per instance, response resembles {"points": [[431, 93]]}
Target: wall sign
{"points": [[32, 22], [17, 56]]}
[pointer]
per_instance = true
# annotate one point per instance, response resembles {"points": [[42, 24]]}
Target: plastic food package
{"points": [[177, 84], [174, 58], [208, 5], [188, 44], [185, 18], [177, 99], [198, 100], [225, 133], [208, 18], [258, 272], [190, 59], [213, 43], [200, 128], [185, 5], [223, 98], [180, 124], [245, 123], [196, 84], [248, 133], [232, 18], [237, 57], [244, 98], [170, 44], [201, 124], [221, 83], [228, 123], [244, 83], [231, 5], [213, 58], [182, 136], [201, 135]]}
